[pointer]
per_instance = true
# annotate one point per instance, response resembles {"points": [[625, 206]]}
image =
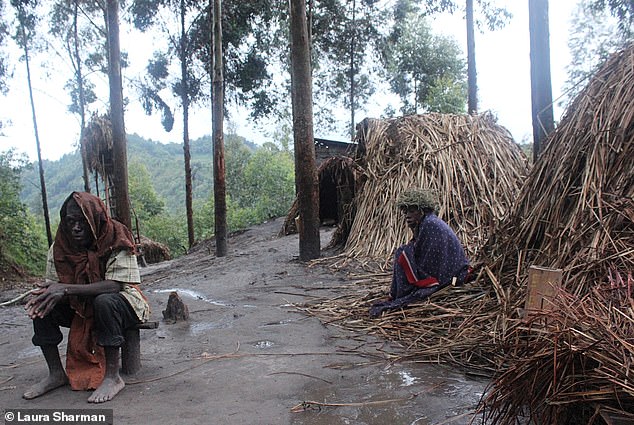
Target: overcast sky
{"points": [[503, 82]]}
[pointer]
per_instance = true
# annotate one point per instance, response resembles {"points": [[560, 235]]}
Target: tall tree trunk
{"points": [[352, 88], [220, 187], [186, 150], [305, 169], [541, 89], [47, 220], [82, 99], [472, 82], [119, 145]]}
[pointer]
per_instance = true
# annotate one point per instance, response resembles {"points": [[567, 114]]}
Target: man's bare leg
{"points": [[56, 375], [112, 382]]}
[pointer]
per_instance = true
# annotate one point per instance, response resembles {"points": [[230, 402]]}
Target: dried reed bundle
{"points": [[469, 161], [153, 252], [97, 140], [576, 211], [568, 360]]}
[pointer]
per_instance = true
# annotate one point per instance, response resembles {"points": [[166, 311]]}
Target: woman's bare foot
{"points": [[48, 384], [109, 388]]}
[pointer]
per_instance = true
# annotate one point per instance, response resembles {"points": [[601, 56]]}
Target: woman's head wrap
{"points": [[424, 199]]}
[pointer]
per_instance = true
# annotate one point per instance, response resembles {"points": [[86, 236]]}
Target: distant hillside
{"points": [[164, 162]]}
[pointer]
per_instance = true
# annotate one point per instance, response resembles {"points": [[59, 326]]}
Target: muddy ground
{"points": [[247, 355]]}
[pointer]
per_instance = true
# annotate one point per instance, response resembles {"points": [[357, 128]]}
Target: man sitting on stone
{"points": [[91, 288], [431, 260]]}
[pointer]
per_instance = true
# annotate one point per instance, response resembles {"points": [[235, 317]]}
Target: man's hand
{"points": [[44, 298]]}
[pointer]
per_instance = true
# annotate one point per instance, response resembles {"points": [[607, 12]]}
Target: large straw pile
{"points": [[573, 360], [469, 161], [576, 213]]}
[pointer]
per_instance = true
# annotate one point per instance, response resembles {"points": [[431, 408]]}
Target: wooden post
{"points": [[542, 287], [131, 348]]}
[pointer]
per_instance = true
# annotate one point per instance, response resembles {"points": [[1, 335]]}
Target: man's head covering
{"points": [[79, 266], [424, 199]]}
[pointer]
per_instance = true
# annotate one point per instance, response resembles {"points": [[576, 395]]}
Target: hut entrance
{"points": [[328, 206], [336, 190], [336, 193]]}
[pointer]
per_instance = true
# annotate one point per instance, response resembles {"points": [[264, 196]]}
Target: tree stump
{"points": [[176, 309]]}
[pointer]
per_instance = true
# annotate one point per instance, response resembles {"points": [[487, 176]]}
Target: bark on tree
{"points": [[121, 197], [352, 88], [82, 99], [186, 151], [47, 220], [541, 88], [305, 169], [471, 62], [220, 201]]}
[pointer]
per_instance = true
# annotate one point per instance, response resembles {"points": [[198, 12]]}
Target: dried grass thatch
{"points": [[573, 360], [576, 213], [97, 140], [469, 161], [153, 252]]}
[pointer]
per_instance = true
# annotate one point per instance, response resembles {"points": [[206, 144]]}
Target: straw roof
{"points": [[469, 161]]}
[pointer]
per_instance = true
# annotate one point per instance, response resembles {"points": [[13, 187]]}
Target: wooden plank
{"points": [[542, 285], [150, 324]]}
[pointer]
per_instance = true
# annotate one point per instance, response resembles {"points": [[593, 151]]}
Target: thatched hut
{"points": [[97, 143], [575, 213], [471, 162], [477, 170]]}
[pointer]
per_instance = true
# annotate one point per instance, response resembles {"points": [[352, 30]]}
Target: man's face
{"points": [[413, 216], [77, 226]]}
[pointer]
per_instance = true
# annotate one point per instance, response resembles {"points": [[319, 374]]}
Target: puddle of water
{"points": [[192, 294], [281, 322], [263, 345], [408, 379], [201, 327], [400, 394]]}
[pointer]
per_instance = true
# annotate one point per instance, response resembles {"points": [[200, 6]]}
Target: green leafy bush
{"points": [[22, 241]]}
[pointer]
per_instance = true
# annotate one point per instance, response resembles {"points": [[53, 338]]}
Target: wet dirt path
{"points": [[247, 355]]}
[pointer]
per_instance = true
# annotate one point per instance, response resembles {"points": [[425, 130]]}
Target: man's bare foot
{"points": [[48, 384], [107, 390]]}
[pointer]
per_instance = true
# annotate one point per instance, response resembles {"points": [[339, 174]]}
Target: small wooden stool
{"points": [[131, 348]]}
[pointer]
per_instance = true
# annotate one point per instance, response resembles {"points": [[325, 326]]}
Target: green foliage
{"points": [[4, 32], [423, 68], [260, 185], [447, 95], [622, 10], [168, 229], [145, 201], [22, 242], [595, 33]]}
